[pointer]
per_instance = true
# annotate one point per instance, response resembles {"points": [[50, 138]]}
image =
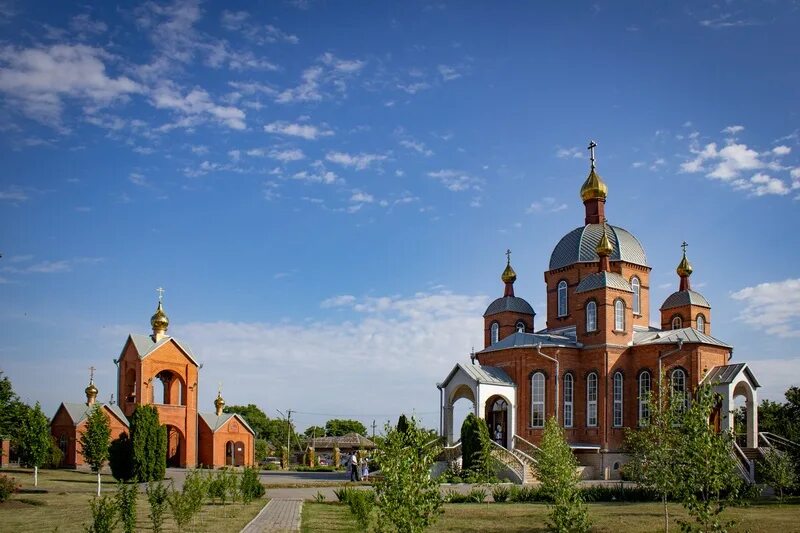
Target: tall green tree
{"points": [[336, 427], [255, 418], [408, 498], [653, 448], [33, 440], [557, 470], [149, 443], [779, 471], [95, 440], [314, 431], [8, 405]]}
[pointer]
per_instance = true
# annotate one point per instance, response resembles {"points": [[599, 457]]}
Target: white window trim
{"points": [[562, 285], [520, 327], [678, 320], [592, 305], [637, 295], [591, 403], [619, 319], [569, 396], [682, 389], [494, 335], [644, 408], [617, 422], [701, 323], [535, 402]]}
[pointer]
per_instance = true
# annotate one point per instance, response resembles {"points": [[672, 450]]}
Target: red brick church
{"points": [[160, 370], [598, 355]]}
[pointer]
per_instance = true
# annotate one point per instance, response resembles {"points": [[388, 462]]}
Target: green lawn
{"points": [[64, 507], [527, 517]]}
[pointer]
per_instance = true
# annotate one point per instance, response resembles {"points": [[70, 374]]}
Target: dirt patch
{"points": [[9, 505]]}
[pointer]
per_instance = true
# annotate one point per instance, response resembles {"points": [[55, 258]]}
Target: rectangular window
{"points": [[617, 400], [568, 395]]}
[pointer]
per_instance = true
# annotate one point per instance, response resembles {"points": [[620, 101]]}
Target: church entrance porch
{"points": [[234, 453], [488, 388]]}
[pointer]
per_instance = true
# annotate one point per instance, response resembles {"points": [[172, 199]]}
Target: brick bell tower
{"points": [[509, 314], [159, 370]]}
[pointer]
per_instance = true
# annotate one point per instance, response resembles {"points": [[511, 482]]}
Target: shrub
{"points": [[477, 495], [501, 493], [343, 494], [361, 503], [526, 495], [120, 458], [56, 456], [476, 446], [186, 503], [8, 486], [217, 487], [319, 497], [104, 515], [779, 471], [126, 504], [250, 485], [618, 493], [157, 498], [452, 496], [149, 441]]}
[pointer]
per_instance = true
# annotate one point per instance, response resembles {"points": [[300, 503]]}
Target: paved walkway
{"points": [[279, 515]]}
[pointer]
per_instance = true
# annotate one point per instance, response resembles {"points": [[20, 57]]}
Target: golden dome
{"points": [[684, 267], [594, 187], [219, 402], [509, 276], [604, 246], [91, 390], [159, 320]]}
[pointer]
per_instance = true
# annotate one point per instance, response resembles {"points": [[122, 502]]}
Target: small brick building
{"points": [[159, 370], [598, 356]]}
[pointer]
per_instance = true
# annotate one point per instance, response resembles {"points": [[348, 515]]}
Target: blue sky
{"points": [[326, 189]]}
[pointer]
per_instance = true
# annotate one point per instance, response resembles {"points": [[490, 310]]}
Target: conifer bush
{"points": [[476, 449], [120, 458], [251, 486], [157, 498], [149, 442], [126, 505], [104, 515]]}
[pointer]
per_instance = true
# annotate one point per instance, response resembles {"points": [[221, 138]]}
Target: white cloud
{"points": [[546, 205], [765, 184], [401, 347], [733, 130], [307, 91], [39, 79], [306, 131], [360, 161], [456, 180], [333, 73], [726, 20], [319, 176], [361, 197], [287, 155], [138, 179], [417, 146], [775, 376], [346, 66], [414, 88], [85, 24], [448, 73], [727, 163], [235, 154], [781, 150], [773, 307], [573, 152], [13, 194], [196, 106], [273, 34]]}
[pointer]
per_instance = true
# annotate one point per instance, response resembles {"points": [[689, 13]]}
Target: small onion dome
{"points": [[159, 320], [91, 393], [219, 403], [684, 268], [603, 247], [509, 276], [594, 187]]}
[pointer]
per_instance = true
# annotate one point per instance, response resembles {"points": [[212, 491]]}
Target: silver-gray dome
{"points": [[578, 246], [681, 298], [509, 303]]}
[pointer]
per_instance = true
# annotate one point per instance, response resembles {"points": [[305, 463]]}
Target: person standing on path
{"points": [[353, 463]]}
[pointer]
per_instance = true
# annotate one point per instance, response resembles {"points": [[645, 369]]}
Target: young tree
{"points": [[653, 449], [407, 496], [707, 469], [149, 442], [779, 471], [33, 440], [557, 470], [476, 446], [95, 440]]}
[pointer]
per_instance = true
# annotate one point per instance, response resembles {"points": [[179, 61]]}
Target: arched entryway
{"points": [[168, 389], [497, 419], [234, 453], [175, 445]]}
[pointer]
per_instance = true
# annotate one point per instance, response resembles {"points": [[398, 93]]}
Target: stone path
{"points": [[279, 515]]}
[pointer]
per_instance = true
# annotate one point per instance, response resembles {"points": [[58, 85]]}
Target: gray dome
{"points": [[578, 246], [681, 298], [509, 303]]}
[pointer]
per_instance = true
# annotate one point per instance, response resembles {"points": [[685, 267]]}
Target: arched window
{"points": [[701, 323], [619, 315], [617, 420], [520, 327], [678, 379], [562, 298], [591, 400], [636, 285], [569, 392], [644, 391], [495, 332], [591, 316], [537, 400], [677, 323]]}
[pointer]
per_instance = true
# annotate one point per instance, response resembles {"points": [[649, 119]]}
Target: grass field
{"points": [[529, 517], [64, 507]]}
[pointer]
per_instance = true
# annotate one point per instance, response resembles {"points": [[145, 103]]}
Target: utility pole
{"points": [[288, 417], [373, 429]]}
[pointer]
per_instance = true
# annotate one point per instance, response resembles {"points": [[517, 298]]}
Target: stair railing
{"points": [[510, 460], [775, 441], [524, 446], [747, 472]]}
